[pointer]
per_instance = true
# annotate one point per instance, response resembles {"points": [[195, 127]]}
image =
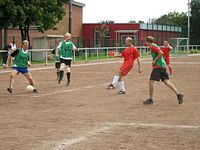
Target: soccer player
{"points": [[166, 48], [20, 65], [66, 56], [129, 54], [57, 61], [159, 72]]}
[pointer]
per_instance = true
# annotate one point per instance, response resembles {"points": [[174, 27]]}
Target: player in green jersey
{"points": [[20, 65], [57, 60], [159, 71], [66, 50]]}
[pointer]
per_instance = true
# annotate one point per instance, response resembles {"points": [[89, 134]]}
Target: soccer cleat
{"points": [[180, 98], [121, 92], [111, 87], [148, 102], [35, 91], [10, 90], [59, 81]]}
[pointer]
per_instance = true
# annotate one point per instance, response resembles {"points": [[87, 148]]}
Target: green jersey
{"points": [[21, 58], [160, 63], [66, 50]]}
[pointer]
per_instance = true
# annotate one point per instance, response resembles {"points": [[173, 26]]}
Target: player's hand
{"points": [[29, 65], [140, 70], [154, 63]]}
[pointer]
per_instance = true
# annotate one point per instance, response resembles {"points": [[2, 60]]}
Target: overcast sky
{"points": [[122, 11]]}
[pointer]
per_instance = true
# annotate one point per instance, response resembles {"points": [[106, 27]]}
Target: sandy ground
{"points": [[85, 116]]}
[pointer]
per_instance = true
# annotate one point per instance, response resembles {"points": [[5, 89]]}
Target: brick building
{"points": [[11, 34], [119, 31]]}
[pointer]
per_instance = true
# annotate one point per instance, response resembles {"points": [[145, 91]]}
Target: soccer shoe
{"points": [[180, 98], [148, 102], [121, 92], [35, 91], [59, 81], [10, 90], [68, 83], [111, 87]]}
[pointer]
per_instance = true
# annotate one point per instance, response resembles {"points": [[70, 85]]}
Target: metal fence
{"points": [[44, 56]]}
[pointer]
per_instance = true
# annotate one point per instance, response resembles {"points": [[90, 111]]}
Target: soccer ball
{"points": [[29, 88], [111, 53]]}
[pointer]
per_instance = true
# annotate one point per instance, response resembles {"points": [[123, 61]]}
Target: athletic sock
{"points": [[115, 80], [68, 76], [61, 74], [121, 86], [58, 74]]}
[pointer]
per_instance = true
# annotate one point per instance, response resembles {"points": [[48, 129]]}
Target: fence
{"points": [[94, 54]]}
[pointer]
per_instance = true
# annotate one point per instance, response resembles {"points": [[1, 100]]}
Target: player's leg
{"points": [[68, 75], [121, 85], [114, 82], [30, 79], [57, 66], [155, 76], [170, 69], [62, 68], [175, 90], [14, 73]]}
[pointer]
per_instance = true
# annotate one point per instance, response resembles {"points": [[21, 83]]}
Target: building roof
{"points": [[77, 3], [126, 31]]}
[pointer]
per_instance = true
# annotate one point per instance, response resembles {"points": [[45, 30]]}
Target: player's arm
{"points": [[29, 63], [139, 65], [57, 49], [8, 61], [170, 47], [159, 52], [75, 48]]}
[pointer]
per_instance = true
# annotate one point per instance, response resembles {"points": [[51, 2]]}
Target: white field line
{"points": [[69, 90], [64, 144]]}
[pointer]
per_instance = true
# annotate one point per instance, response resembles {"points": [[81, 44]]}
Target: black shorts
{"points": [[159, 73], [66, 62], [57, 64]]}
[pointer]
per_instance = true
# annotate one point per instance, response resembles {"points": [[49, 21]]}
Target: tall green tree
{"points": [[43, 14], [195, 22], [175, 18]]}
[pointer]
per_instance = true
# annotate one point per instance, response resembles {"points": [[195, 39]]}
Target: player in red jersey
{"points": [[130, 54], [166, 48]]}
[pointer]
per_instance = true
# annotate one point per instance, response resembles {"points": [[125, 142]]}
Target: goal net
{"points": [[180, 45]]}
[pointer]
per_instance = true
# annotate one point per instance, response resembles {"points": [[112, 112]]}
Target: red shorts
{"points": [[167, 60], [126, 68]]}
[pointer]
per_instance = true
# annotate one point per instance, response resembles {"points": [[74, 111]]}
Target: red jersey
{"points": [[130, 54], [166, 51]]}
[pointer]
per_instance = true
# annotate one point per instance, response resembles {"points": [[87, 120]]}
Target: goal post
{"points": [[180, 45]]}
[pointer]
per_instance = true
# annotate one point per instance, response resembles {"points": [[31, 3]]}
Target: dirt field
{"points": [[85, 116]]}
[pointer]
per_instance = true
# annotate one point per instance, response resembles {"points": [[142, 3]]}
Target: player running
{"points": [[66, 55], [129, 54], [166, 48], [159, 72], [20, 65], [57, 60]]}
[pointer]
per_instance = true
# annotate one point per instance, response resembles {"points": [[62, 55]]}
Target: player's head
{"points": [[25, 44], [166, 43], [67, 36], [149, 40], [129, 41]]}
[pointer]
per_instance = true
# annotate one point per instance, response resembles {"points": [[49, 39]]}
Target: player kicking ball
{"points": [[130, 54], [166, 48], [159, 72], [66, 50], [20, 65]]}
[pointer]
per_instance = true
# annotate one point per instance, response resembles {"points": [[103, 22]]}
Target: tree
{"points": [[175, 18], [140, 21], [44, 14], [132, 21], [106, 21], [101, 32], [195, 22]]}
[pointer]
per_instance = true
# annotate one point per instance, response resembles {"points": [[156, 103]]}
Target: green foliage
{"points": [[194, 51], [106, 21], [175, 18], [195, 22], [44, 14], [132, 21]]}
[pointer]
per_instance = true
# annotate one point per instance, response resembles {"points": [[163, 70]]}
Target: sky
{"points": [[122, 11]]}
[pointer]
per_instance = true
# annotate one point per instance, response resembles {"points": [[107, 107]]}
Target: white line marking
{"points": [[108, 126], [65, 143]]}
